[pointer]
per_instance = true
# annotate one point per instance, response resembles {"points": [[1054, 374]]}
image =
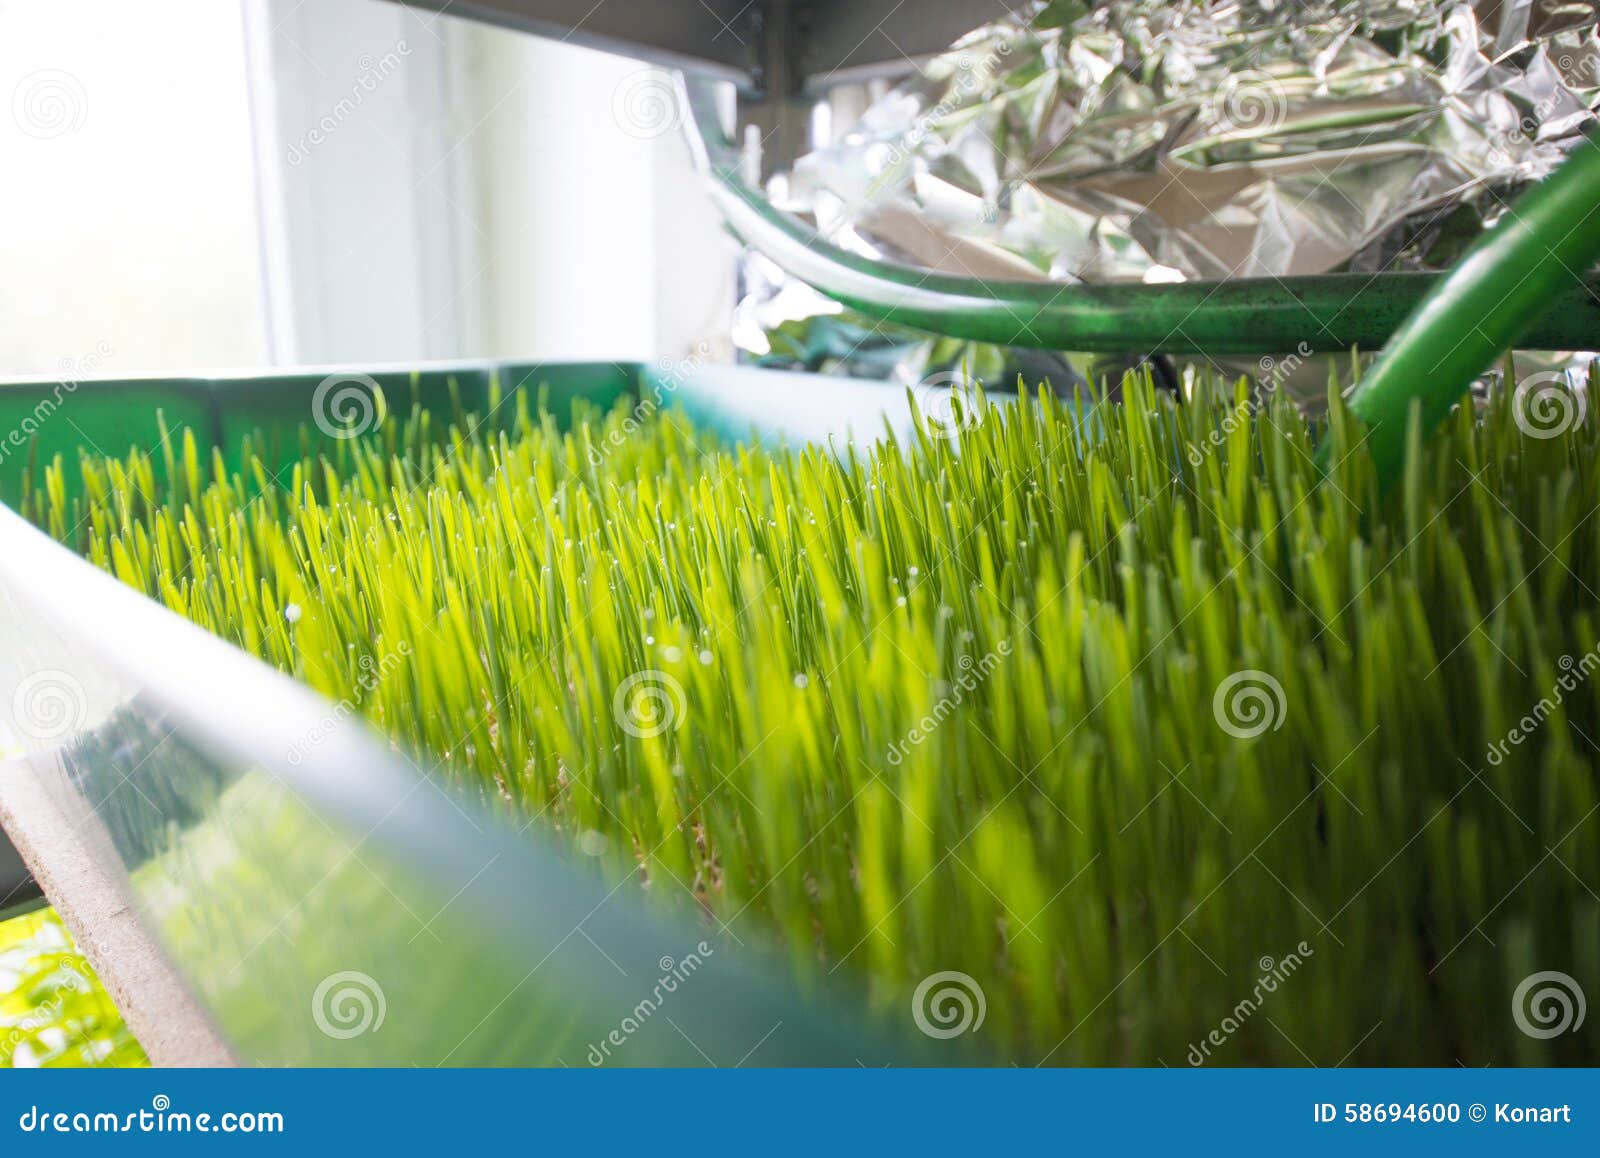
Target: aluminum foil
{"points": [[1159, 141]]}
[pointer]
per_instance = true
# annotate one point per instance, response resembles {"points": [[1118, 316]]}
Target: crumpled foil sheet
{"points": [[1150, 141]]}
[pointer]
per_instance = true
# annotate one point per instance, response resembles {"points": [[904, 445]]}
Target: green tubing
{"points": [[1526, 267], [1241, 316], [1237, 316]]}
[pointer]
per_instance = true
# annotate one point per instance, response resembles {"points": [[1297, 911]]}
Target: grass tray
{"points": [[1086, 734]]}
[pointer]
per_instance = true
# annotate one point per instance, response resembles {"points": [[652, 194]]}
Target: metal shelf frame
{"points": [[781, 56]]}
